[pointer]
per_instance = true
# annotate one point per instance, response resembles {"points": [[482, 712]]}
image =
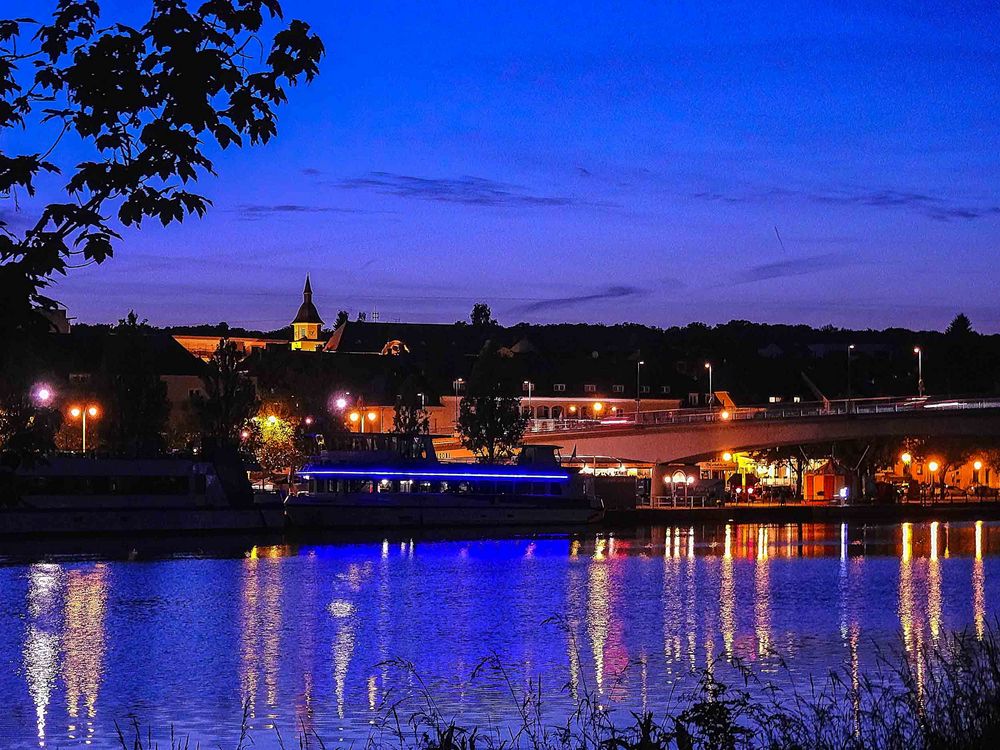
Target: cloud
{"points": [[466, 190], [932, 206], [312, 172], [256, 211], [558, 303], [793, 267]]}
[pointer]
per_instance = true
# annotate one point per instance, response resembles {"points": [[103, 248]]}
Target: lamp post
{"points": [[458, 382], [933, 467], [711, 392], [530, 386], [82, 413], [850, 348], [638, 390], [920, 370]]}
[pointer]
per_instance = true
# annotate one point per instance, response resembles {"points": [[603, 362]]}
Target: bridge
{"points": [[686, 435]]}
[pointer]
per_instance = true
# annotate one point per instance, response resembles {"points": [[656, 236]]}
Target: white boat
{"points": [[84, 495], [385, 481]]}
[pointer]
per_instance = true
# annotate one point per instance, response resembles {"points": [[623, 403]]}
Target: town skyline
{"points": [[657, 165]]}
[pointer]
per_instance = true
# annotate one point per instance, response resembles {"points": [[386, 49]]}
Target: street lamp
{"points": [[355, 418], [850, 348], [82, 413], [43, 395], [530, 386], [711, 393], [458, 383], [933, 466], [920, 370], [598, 408], [638, 396]]}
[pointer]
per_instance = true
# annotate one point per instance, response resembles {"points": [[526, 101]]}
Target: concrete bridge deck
{"points": [[687, 435]]}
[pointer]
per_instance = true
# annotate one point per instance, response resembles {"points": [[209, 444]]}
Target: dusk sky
{"points": [[601, 162]]}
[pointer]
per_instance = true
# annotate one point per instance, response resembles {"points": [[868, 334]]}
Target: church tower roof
{"points": [[307, 310]]}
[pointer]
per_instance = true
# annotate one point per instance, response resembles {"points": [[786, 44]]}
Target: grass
{"points": [[944, 696]]}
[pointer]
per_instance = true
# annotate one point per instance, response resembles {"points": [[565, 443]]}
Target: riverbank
{"points": [[803, 513]]}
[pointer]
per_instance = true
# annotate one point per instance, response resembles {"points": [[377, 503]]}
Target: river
{"points": [[326, 637]]}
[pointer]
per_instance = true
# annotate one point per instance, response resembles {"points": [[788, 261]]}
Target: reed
{"points": [[946, 695]]}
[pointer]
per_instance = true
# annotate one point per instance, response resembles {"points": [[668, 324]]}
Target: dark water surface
{"points": [[315, 636]]}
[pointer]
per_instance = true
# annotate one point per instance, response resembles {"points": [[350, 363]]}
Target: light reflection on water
{"points": [[322, 638]]}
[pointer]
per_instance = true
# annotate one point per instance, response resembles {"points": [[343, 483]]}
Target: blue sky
{"points": [[603, 162]]}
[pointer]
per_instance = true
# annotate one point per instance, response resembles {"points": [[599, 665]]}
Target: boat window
{"points": [[464, 488], [505, 488], [406, 485], [445, 487], [426, 486], [484, 487], [556, 488], [385, 485]]}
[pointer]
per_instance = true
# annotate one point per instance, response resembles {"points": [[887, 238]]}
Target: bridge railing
{"points": [[840, 407], [659, 502]]}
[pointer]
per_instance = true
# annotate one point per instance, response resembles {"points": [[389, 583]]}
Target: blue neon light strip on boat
{"points": [[428, 474]]}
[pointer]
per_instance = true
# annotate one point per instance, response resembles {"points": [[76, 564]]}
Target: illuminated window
{"points": [[618, 389], [559, 387], [664, 389], [644, 389], [590, 388]]}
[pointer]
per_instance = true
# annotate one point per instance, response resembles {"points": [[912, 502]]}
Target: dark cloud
{"points": [[793, 267], [471, 191], [932, 206], [312, 172], [259, 211], [558, 303]]}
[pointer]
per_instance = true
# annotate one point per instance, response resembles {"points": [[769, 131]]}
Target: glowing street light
{"points": [[458, 383], [906, 458], [727, 456], [711, 392], [43, 395], [638, 389], [933, 466], [82, 413], [920, 370], [272, 420], [341, 403], [598, 407], [850, 348], [977, 465]]}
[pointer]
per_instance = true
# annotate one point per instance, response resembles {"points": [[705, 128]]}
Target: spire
{"points": [[307, 311]]}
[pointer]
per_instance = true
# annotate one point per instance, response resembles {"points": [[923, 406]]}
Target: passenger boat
{"points": [[86, 495], [384, 481]]}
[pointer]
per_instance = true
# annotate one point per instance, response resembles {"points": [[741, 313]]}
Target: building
{"points": [[307, 324]]}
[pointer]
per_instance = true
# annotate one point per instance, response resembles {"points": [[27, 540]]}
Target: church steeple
{"points": [[305, 327], [307, 310]]}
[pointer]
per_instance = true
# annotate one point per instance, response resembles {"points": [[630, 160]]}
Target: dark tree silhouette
{"points": [[147, 103], [230, 399], [490, 422], [342, 317], [136, 406], [481, 315], [411, 417]]}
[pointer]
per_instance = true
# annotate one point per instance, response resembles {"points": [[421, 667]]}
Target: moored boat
{"points": [[386, 481], [86, 495]]}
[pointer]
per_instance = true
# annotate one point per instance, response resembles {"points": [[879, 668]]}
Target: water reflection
{"points": [[979, 585], [84, 645], [41, 640], [314, 630]]}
